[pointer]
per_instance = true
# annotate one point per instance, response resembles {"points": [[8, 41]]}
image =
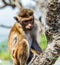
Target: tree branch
{"points": [[11, 3], [4, 26]]}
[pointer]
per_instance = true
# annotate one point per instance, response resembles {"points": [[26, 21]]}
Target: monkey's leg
{"points": [[21, 53]]}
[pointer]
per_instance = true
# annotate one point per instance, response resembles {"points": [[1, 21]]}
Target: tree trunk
{"points": [[52, 52]]}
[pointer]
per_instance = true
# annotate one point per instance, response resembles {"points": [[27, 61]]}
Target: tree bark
{"points": [[49, 56], [52, 52]]}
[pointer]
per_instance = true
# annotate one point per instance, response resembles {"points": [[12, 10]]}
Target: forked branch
{"points": [[11, 3]]}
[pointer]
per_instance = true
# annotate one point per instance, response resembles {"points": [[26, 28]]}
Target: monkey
{"points": [[22, 38]]}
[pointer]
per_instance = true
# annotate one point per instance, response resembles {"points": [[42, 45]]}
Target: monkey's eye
{"points": [[24, 22], [31, 21]]}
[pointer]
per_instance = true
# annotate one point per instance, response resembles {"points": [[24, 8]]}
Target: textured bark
{"points": [[53, 19], [50, 55]]}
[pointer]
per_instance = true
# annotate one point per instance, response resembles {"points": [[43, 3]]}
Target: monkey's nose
{"points": [[29, 26]]}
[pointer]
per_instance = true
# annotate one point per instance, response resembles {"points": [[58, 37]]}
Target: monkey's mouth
{"points": [[30, 29]]}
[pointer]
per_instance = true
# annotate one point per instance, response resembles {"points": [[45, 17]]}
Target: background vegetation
{"points": [[4, 54]]}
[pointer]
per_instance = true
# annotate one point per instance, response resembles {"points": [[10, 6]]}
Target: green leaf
{"points": [[43, 42]]}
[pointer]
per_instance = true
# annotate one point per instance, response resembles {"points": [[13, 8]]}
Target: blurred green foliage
{"points": [[4, 54], [43, 42]]}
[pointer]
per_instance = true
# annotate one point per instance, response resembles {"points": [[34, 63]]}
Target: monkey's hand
{"points": [[35, 52]]}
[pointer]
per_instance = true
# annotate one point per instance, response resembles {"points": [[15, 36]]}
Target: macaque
{"points": [[22, 38]]}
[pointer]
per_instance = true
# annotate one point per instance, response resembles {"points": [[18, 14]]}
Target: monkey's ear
{"points": [[16, 18]]}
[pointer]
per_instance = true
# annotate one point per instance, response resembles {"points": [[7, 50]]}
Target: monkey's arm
{"points": [[35, 37], [36, 46]]}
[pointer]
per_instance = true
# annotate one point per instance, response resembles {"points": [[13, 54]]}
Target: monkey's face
{"points": [[27, 23], [26, 19]]}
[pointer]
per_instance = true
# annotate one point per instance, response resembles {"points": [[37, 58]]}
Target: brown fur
{"points": [[25, 13], [18, 45]]}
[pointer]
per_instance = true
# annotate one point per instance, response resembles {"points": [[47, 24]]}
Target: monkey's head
{"points": [[26, 19]]}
